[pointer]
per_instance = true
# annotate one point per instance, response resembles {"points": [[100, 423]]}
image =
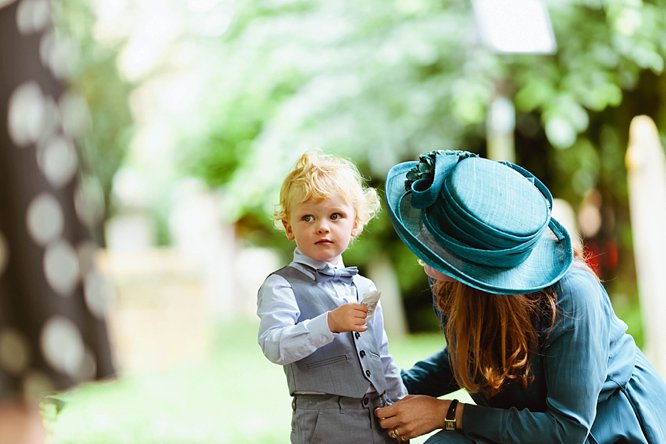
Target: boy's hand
{"points": [[348, 317]]}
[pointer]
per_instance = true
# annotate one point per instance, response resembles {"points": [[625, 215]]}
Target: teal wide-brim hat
{"points": [[485, 223]]}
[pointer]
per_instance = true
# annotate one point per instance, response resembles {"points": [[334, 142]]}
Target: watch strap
{"points": [[450, 419]]}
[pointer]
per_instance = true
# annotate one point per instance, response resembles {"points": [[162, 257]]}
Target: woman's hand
{"points": [[413, 415]]}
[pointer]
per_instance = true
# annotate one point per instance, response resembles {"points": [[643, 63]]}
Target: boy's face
{"points": [[322, 228]]}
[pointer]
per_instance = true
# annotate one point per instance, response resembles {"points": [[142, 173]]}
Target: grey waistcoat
{"points": [[348, 365]]}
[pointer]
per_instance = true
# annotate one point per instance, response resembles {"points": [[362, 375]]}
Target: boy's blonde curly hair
{"points": [[318, 176]]}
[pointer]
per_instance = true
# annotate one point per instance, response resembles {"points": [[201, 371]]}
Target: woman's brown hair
{"points": [[492, 337]]}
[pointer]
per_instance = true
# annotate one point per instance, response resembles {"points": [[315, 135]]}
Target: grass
{"points": [[237, 396]]}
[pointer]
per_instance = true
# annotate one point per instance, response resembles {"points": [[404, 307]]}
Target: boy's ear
{"points": [[356, 228], [287, 229]]}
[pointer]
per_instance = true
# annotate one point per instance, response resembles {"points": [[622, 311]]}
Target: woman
{"points": [[530, 331], [52, 332]]}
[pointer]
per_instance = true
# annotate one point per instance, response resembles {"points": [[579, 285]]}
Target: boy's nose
{"points": [[322, 227]]}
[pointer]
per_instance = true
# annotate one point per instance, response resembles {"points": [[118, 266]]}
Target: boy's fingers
{"points": [[359, 306], [362, 309]]}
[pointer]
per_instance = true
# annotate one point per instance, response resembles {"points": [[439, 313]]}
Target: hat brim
{"points": [[546, 264]]}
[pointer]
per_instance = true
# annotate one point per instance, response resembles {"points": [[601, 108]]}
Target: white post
{"points": [[501, 125], [383, 275], [646, 168]]}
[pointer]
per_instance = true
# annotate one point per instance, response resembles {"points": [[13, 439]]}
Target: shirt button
{"points": [[362, 353], [357, 334], [365, 401], [367, 372]]}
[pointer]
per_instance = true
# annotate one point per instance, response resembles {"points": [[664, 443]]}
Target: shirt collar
{"points": [[306, 260]]}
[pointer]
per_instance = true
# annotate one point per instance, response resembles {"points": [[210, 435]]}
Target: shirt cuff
{"points": [[319, 331]]}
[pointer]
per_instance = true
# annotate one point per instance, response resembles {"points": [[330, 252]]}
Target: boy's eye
{"points": [[336, 216], [307, 218]]}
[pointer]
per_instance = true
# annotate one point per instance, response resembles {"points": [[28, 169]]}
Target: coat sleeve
{"points": [[575, 366], [431, 376]]}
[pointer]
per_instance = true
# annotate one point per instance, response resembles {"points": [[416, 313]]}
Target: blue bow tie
{"points": [[329, 273]]}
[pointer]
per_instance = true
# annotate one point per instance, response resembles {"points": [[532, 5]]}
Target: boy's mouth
{"points": [[323, 241]]}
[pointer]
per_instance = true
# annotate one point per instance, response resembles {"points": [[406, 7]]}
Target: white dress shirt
{"points": [[284, 341]]}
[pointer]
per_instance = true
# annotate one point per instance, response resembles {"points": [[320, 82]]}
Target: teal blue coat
{"points": [[592, 383]]}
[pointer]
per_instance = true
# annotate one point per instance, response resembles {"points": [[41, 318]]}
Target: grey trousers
{"points": [[330, 419]]}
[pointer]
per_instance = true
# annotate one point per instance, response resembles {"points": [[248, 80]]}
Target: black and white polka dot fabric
{"points": [[52, 328]]}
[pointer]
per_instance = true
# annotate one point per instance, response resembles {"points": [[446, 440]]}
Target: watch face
{"points": [[450, 425]]}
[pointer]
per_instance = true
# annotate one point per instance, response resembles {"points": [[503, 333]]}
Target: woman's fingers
{"points": [[412, 416], [391, 411], [384, 413]]}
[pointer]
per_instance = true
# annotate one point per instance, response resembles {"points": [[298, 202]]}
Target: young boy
{"points": [[335, 355]]}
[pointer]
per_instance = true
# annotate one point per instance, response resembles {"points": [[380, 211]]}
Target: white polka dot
{"points": [[62, 345], [26, 114], [96, 292], [51, 119], [14, 351], [4, 254], [89, 202], [36, 385], [33, 16], [58, 54], [61, 267], [45, 219], [58, 161], [75, 115]]}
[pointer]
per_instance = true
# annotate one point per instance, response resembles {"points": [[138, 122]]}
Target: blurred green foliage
{"points": [[95, 76], [380, 82], [383, 82]]}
